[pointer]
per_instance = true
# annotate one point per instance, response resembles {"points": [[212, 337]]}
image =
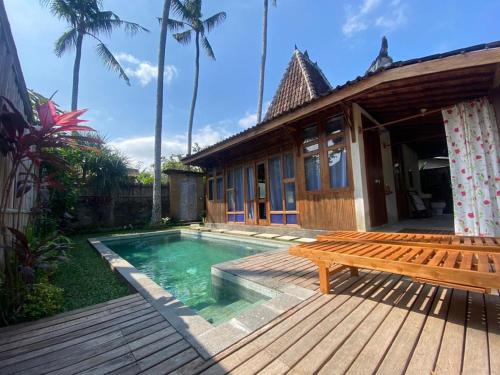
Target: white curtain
{"points": [[473, 146]]}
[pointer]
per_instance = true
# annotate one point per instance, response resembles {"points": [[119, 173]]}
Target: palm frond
{"points": [[184, 37], [105, 22], [207, 47], [183, 10], [110, 61], [175, 25], [65, 42], [62, 9], [214, 21]]}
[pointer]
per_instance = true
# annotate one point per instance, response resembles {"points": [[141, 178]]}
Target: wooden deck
{"points": [[374, 323], [126, 335]]}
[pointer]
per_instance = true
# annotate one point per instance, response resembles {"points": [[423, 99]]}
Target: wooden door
{"points": [[375, 178]]}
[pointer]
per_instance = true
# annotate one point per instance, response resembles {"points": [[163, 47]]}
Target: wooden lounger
{"points": [[458, 268], [413, 239]]}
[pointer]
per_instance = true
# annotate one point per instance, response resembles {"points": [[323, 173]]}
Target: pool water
{"points": [[182, 265]]}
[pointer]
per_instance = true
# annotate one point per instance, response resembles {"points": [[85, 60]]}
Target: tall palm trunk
{"points": [[76, 71], [262, 62], [195, 92], [156, 212]]}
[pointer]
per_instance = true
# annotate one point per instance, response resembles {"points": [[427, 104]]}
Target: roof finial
{"points": [[296, 48], [383, 59]]}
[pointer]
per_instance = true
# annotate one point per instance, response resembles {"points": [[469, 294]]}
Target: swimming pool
{"points": [[181, 264]]}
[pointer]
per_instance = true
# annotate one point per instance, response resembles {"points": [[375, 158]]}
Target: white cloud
{"points": [[250, 119], [141, 149], [387, 15], [143, 70]]}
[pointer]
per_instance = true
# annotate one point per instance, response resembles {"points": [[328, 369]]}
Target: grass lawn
{"points": [[86, 278]]}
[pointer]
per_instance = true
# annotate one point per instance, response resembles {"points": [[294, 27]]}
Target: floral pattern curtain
{"points": [[473, 146]]}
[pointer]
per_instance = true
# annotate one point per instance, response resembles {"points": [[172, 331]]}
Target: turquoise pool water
{"points": [[182, 265]]}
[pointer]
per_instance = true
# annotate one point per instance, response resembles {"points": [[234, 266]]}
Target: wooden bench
{"points": [[412, 239], [468, 269]]}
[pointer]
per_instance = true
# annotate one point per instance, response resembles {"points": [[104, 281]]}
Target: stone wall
{"points": [[130, 206]]}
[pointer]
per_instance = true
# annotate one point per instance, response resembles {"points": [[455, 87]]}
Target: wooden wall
{"points": [[327, 209]]}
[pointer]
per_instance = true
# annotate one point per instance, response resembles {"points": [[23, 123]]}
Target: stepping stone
{"points": [[203, 229], [218, 230], [267, 235], [287, 238], [242, 233], [305, 240]]}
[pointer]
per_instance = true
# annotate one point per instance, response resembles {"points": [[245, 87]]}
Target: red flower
{"points": [[486, 202], [462, 193], [478, 138], [470, 215], [459, 204], [457, 151], [462, 170], [450, 111], [469, 177], [456, 130], [459, 186], [453, 161], [466, 230], [478, 157]]}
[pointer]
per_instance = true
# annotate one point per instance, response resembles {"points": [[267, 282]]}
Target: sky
{"points": [[342, 36]]}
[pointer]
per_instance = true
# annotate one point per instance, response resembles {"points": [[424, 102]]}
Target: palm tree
{"points": [[156, 211], [191, 17], [263, 60], [86, 18]]}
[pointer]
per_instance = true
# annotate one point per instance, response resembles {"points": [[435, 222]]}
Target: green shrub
{"points": [[44, 299]]}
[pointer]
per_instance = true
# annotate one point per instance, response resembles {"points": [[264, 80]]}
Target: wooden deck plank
{"points": [[325, 347], [299, 337], [424, 356], [67, 316], [342, 359], [476, 358], [398, 355], [493, 324], [449, 360], [296, 325]]}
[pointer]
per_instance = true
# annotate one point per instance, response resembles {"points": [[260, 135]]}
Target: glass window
{"points": [[337, 165], [220, 189], [211, 189], [229, 183], [312, 173], [275, 184], [238, 187], [288, 166], [250, 193], [311, 147], [334, 141], [230, 200], [310, 133], [335, 125], [290, 204]]}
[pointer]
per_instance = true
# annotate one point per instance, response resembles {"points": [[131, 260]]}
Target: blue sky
{"points": [[342, 36]]}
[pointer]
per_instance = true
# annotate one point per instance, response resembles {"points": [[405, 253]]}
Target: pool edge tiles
{"points": [[206, 338]]}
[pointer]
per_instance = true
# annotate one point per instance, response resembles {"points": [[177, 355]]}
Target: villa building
{"points": [[415, 139]]}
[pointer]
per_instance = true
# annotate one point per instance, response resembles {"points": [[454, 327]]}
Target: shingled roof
{"points": [[302, 82]]}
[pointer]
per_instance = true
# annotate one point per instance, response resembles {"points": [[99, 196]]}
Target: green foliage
{"points": [[145, 177], [86, 279], [44, 299]]}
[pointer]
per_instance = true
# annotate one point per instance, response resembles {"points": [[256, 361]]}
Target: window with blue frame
{"points": [[336, 153], [311, 151], [235, 195], [282, 198]]}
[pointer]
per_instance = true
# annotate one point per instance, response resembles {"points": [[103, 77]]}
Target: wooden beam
{"points": [[455, 62], [402, 120]]}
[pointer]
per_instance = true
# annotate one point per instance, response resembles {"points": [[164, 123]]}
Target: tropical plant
{"points": [[191, 17], [156, 209], [86, 18], [263, 59], [26, 147]]}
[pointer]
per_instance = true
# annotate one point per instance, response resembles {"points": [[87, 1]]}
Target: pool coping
{"points": [[207, 339]]}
